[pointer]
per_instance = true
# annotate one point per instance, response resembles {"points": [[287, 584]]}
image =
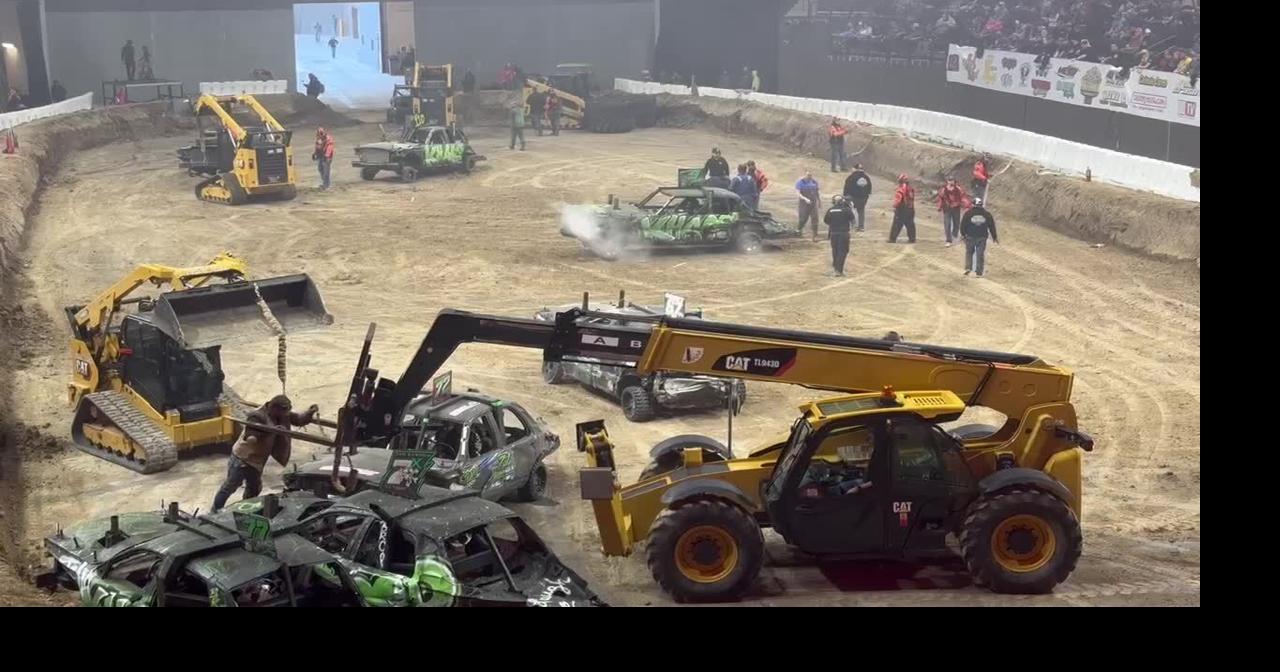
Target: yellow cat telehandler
{"points": [[240, 162], [147, 380], [870, 474]]}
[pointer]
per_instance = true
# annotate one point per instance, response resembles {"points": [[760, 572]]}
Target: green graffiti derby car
{"points": [[372, 549], [687, 216], [419, 150]]}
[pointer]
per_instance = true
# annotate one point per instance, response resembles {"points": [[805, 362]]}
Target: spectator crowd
{"points": [[1153, 34]]}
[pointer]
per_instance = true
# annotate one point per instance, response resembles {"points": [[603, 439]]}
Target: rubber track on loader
{"points": [[200, 193], [160, 452]]}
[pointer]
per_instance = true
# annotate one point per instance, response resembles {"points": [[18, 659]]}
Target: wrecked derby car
{"points": [[475, 441], [419, 150], [642, 397], [696, 217], [373, 549]]}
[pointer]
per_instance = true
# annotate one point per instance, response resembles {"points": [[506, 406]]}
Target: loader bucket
{"points": [[215, 314]]}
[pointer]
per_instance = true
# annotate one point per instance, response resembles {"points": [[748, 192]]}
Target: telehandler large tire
{"points": [[1020, 541], [705, 550]]}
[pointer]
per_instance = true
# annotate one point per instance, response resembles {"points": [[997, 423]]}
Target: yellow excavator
{"points": [[240, 162], [147, 381], [872, 474]]}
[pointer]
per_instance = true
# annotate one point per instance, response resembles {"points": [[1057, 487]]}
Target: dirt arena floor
{"points": [[397, 253]]}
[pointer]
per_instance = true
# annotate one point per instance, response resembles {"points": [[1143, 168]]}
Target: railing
{"points": [[11, 119]]}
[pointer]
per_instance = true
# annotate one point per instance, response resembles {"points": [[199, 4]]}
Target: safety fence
{"points": [[1126, 170], [250, 87], [11, 119]]}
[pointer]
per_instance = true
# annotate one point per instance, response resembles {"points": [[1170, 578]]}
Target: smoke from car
{"points": [[583, 222], [580, 221]]}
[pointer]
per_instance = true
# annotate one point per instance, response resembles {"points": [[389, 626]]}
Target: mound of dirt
{"points": [[1145, 223], [295, 109], [43, 144]]}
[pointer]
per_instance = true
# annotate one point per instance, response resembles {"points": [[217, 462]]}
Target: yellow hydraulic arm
{"points": [[220, 107], [1011, 384], [573, 107], [97, 312], [423, 73], [92, 345]]}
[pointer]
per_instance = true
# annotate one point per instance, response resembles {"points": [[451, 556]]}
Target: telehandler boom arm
{"points": [[1032, 394]]}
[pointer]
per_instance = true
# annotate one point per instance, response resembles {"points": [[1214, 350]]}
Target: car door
{"points": [[127, 580], [928, 473], [336, 532], [822, 515], [488, 467], [518, 430]]}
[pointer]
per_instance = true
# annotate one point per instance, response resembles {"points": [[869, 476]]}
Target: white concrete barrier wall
{"points": [[250, 87], [11, 119], [1126, 170]]}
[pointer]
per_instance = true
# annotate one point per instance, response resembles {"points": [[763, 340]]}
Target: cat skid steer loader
{"points": [[147, 380], [240, 161]]}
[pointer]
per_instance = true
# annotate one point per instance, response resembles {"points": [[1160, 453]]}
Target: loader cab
{"points": [[875, 484], [433, 103], [167, 375], [401, 106], [265, 154]]}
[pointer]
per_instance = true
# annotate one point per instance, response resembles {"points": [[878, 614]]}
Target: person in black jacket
{"points": [[976, 224], [537, 101], [717, 170], [857, 189], [839, 219], [314, 87]]}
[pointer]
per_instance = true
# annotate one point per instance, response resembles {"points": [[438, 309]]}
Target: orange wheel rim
{"points": [[706, 554], [1023, 543]]}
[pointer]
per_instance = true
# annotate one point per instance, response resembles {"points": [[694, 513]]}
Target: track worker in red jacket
{"points": [[952, 201], [904, 210], [762, 182], [835, 133], [323, 155], [553, 112], [981, 175]]}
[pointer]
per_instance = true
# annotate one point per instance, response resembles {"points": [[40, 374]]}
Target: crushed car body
{"points": [[642, 397], [490, 445], [420, 546]]}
